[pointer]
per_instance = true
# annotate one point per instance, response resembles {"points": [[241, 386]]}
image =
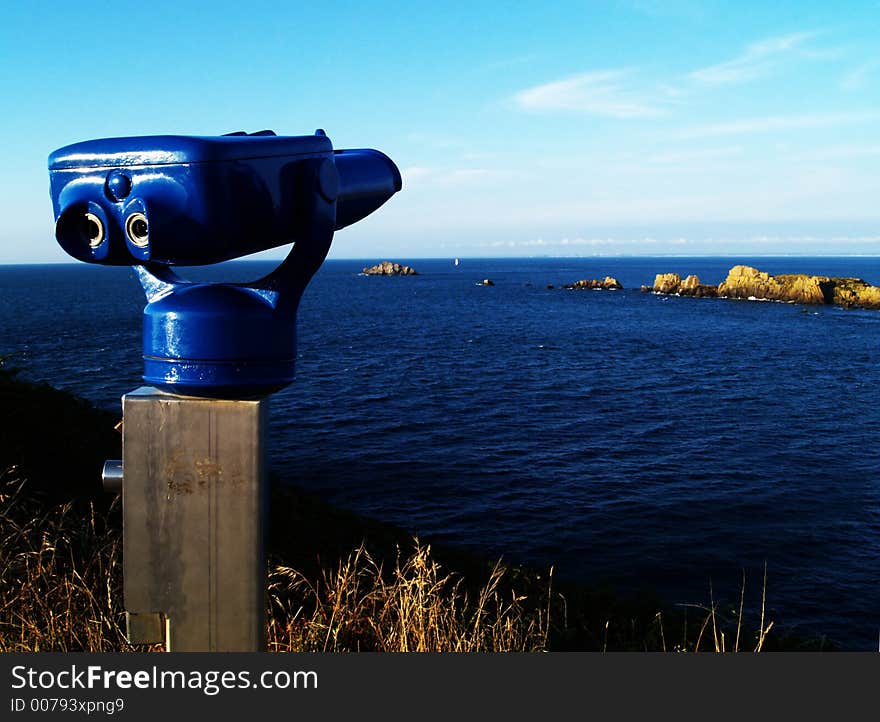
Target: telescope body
{"points": [[155, 202], [192, 201]]}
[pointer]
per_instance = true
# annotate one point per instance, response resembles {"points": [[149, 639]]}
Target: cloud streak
{"points": [[773, 123], [603, 92], [858, 77], [415, 173], [615, 93], [454, 176], [689, 156], [757, 60]]}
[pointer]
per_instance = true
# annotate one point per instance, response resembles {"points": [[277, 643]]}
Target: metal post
{"points": [[193, 521]]}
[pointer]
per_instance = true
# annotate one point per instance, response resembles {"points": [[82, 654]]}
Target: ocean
{"points": [[628, 439]]}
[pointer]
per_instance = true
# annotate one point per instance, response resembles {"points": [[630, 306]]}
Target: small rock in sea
{"points": [[550, 286], [387, 268], [487, 282], [646, 289], [609, 283]]}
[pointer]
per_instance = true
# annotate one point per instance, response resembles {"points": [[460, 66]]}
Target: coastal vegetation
{"points": [[336, 581]]}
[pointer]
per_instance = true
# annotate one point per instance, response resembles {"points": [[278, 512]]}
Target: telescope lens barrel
{"points": [[85, 229], [367, 179], [82, 231]]}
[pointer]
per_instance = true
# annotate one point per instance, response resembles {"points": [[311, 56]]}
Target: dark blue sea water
{"points": [[620, 436]]}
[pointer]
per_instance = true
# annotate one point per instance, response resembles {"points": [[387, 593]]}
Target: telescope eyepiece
{"points": [[93, 230], [137, 229], [76, 228]]}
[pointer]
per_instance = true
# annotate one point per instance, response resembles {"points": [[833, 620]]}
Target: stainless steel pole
{"points": [[194, 569]]}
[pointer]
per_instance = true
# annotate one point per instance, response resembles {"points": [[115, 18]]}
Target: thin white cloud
{"points": [[591, 242], [774, 123], [434, 141], [602, 92], [814, 239], [616, 93], [481, 155], [479, 176], [688, 156], [858, 77], [467, 174], [415, 173], [757, 60], [650, 241], [453, 176], [844, 152]]}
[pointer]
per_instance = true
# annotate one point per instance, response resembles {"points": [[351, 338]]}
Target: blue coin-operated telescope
{"points": [[160, 201], [192, 474]]}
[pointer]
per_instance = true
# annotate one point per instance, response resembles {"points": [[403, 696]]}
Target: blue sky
{"points": [[566, 128]]}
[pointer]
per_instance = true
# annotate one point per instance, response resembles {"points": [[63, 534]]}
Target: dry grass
{"points": [[712, 620], [60, 575], [418, 607], [61, 590]]}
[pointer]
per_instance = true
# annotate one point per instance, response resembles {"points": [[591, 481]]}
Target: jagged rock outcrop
{"points": [[387, 268], [690, 286], [855, 293], [608, 283], [750, 283], [689, 283], [666, 283]]}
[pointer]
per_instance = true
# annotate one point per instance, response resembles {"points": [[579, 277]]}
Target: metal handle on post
{"points": [[111, 476]]}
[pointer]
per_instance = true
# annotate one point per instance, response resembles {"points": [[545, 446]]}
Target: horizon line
{"points": [[366, 259]]}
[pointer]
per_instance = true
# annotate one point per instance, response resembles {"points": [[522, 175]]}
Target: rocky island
{"points": [[672, 283], [605, 284], [749, 283], [387, 268]]}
